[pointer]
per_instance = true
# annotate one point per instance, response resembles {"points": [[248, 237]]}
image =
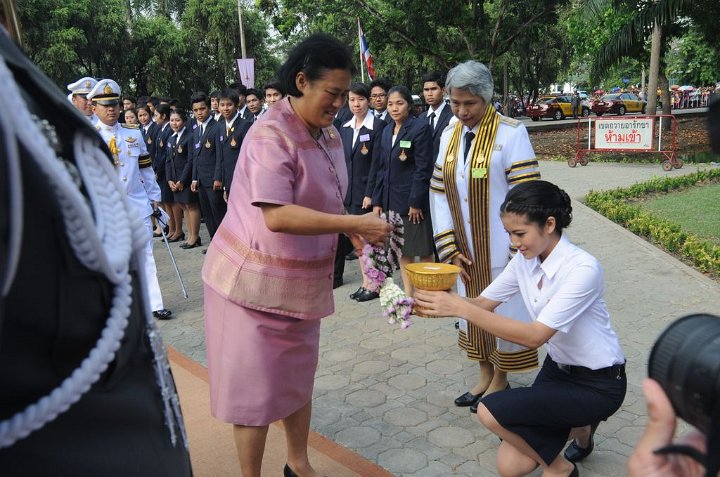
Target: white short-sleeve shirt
{"points": [[566, 293]]}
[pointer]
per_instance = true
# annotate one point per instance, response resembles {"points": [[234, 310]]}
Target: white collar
{"points": [[367, 122], [557, 257], [237, 113], [436, 111]]}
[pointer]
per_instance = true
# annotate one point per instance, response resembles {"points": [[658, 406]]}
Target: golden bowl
{"points": [[432, 276]]}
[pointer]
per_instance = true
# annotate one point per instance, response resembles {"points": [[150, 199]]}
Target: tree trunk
{"points": [[654, 69]]}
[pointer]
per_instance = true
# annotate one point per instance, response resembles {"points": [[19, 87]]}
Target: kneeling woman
{"points": [[582, 381]]}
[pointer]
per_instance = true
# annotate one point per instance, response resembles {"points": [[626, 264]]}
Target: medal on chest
{"points": [[364, 149], [180, 149], [402, 155], [161, 143], [207, 144], [233, 143], [149, 140]]}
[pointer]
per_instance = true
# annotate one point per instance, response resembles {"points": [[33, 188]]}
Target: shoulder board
{"points": [[129, 126], [509, 121]]}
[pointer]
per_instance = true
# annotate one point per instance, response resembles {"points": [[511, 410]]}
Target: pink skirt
{"points": [[261, 365]]}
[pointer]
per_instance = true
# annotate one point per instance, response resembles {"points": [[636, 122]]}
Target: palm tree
{"points": [[650, 18]]}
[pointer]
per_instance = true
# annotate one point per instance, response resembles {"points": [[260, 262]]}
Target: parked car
{"points": [[556, 107], [618, 103]]}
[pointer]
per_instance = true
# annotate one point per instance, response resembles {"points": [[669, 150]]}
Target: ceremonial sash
{"points": [[478, 198]]}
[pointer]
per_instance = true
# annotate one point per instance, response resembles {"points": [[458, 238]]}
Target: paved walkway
{"points": [[387, 393]]}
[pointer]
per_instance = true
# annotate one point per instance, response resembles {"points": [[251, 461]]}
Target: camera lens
{"points": [[685, 360]]}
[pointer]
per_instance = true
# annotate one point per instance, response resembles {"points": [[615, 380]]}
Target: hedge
{"points": [[615, 205]]}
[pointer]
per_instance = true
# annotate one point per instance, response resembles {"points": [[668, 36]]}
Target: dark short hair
{"points": [[154, 100], [173, 102], [130, 98], [255, 92], [230, 94], [383, 83], [273, 84], [539, 200], [214, 94], [143, 100], [239, 87], [201, 97], [163, 110], [360, 89], [404, 92], [314, 56], [435, 77], [180, 112]]}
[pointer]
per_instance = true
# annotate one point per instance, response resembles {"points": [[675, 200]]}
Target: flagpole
{"points": [[362, 71]]}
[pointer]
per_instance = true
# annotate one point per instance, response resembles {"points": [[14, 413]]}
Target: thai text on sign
{"points": [[624, 133]]}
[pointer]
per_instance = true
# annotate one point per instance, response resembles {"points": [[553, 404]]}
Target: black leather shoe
{"points": [[356, 293], [575, 453], [287, 472], [177, 239], [366, 295], [467, 399], [475, 406], [163, 314]]}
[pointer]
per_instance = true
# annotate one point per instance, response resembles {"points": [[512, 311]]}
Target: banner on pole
{"points": [[246, 70]]}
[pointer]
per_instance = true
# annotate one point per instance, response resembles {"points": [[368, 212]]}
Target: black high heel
{"points": [[177, 239], [287, 472], [187, 245], [575, 453]]}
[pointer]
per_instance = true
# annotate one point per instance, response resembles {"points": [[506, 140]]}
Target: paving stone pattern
{"points": [[388, 393]]}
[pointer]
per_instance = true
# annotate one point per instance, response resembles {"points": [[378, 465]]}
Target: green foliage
{"points": [[615, 205], [692, 60], [409, 38], [161, 47]]}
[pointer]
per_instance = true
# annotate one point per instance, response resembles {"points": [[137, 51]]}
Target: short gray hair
{"points": [[473, 77]]}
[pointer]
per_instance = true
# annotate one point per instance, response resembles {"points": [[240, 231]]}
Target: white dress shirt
{"points": [[367, 123], [565, 292]]}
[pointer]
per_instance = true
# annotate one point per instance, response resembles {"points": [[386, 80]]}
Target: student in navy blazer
{"points": [[439, 113], [360, 135], [403, 179], [162, 136], [207, 170], [179, 173], [231, 131]]}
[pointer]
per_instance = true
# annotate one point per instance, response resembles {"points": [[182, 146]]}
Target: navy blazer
{"points": [[150, 137], [362, 163], [178, 165], [160, 150], [205, 167], [440, 124], [405, 183], [228, 146]]}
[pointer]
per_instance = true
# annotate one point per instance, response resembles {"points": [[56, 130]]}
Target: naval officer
{"points": [[134, 169], [78, 97]]}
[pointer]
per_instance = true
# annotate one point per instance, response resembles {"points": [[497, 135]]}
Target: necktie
{"points": [[469, 136], [432, 120], [377, 115], [202, 130]]}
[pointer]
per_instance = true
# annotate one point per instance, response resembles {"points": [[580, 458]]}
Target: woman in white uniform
{"points": [[582, 381]]}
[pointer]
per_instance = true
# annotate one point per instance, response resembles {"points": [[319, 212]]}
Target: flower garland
{"points": [[379, 263]]}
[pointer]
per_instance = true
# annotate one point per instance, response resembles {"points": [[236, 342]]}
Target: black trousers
{"points": [[213, 207], [344, 247]]}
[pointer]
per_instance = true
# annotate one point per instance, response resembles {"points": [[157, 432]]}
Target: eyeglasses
{"points": [[376, 96]]}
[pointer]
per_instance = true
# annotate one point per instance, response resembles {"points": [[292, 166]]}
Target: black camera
{"points": [[685, 360]]}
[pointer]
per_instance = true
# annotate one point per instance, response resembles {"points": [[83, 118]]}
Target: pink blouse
{"points": [[280, 163]]}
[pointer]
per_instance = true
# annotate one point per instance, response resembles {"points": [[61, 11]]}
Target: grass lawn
{"points": [[696, 210]]}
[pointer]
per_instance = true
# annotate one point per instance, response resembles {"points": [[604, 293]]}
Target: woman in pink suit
{"points": [[269, 269]]}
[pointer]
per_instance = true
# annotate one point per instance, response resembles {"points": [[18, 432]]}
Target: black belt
{"points": [[614, 371]]}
